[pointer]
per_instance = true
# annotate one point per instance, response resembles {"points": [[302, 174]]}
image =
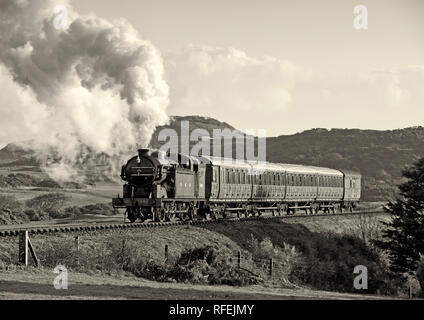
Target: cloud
{"points": [[283, 97], [77, 84], [204, 77]]}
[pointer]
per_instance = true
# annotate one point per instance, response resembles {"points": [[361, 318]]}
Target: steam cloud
{"points": [[76, 85]]}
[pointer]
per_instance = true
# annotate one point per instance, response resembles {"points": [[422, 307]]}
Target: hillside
{"points": [[379, 155]]}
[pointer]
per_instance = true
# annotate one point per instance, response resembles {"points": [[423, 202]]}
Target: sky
{"points": [[284, 66]]}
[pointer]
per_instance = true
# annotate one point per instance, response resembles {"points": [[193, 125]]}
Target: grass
{"points": [[301, 257]]}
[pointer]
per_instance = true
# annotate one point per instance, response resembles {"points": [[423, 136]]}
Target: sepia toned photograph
{"points": [[211, 155]]}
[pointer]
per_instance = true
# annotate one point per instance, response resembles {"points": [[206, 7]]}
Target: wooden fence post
{"points": [[77, 244], [238, 259], [270, 267], [23, 248]]}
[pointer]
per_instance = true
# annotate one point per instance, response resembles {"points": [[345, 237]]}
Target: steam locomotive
{"points": [[189, 188]]}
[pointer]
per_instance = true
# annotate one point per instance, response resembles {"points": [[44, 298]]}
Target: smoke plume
{"points": [[76, 86]]}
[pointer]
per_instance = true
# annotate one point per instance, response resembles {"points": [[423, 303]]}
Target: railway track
{"points": [[16, 230]]}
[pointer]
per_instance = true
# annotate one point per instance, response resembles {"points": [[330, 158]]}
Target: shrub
{"points": [[11, 210], [47, 205]]}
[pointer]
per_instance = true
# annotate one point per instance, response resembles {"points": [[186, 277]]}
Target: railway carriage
{"points": [[188, 187]]}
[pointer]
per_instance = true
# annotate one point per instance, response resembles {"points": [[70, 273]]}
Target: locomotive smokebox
{"points": [[143, 152]]}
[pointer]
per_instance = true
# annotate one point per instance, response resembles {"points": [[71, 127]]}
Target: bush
{"points": [[11, 210], [47, 205], [98, 208]]}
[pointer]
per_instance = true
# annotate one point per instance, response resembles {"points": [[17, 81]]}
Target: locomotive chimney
{"points": [[143, 152]]}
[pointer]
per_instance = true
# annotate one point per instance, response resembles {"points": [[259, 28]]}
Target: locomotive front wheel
{"points": [[191, 213], [159, 215], [131, 215]]}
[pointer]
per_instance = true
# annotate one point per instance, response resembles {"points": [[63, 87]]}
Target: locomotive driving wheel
{"points": [[170, 212], [169, 216]]}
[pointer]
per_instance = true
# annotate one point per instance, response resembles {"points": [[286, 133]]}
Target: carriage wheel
{"points": [[280, 211], [192, 213]]}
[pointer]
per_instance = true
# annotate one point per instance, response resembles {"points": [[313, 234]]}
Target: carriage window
{"points": [[213, 175], [227, 176], [292, 180]]}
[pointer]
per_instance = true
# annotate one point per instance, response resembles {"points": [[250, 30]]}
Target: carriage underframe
{"points": [[191, 209]]}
